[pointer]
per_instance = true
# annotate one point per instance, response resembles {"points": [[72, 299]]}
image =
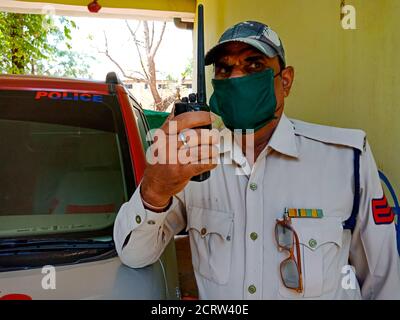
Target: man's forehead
{"points": [[236, 48]]}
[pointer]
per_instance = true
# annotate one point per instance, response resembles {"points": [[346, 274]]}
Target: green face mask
{"points": [[247, 102]]}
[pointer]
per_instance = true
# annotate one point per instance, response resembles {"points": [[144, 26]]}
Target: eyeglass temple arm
{"points": [[298, 261]]}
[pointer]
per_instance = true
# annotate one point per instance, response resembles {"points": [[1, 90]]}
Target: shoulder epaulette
{"points": [[353, 138]]}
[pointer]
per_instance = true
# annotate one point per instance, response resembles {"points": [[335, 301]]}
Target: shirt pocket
{"points": [[320, 244], [211, 242]]}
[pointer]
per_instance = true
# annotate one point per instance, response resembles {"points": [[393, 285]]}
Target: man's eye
{"points": [[256, 65], [223, 70]]}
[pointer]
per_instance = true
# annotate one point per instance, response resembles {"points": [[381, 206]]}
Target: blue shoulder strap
{"points": [[350, 223]]}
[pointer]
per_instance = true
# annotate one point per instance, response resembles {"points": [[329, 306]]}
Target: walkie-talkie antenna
{"points": [[189, 104], [201, 77]]}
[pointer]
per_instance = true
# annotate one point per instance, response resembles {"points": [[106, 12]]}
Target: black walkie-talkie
{"points": [[197, 102]]}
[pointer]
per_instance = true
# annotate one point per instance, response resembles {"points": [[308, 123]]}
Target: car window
{"points": [[64, 164], [141, 123]]}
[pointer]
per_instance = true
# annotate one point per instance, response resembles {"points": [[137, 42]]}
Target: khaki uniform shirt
{"points": [[231, 219]]}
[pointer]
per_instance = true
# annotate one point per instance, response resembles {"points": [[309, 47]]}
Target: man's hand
{"points": [[176, 163]]}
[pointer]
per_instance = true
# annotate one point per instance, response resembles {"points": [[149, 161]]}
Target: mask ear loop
{"points": [[278, 74]]}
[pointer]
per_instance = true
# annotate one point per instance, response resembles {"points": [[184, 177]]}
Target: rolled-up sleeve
{"points": [[141, 235]]}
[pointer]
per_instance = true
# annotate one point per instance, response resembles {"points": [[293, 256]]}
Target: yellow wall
{"points": [[163, 5], [346, 78]]}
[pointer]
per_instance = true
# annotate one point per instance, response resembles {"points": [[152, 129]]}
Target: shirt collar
{"points": [[283, 140]]}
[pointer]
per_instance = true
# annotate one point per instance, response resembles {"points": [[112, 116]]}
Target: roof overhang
{"points": [[121, 9]]}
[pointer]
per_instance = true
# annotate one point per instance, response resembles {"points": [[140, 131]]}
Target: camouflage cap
{"points": [[254, 33]]}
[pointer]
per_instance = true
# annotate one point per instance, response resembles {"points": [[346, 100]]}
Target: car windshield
{"points": [[62, 168]]}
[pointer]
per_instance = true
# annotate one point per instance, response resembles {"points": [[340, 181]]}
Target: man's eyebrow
{"points": [[221, 62], [255, 58]]}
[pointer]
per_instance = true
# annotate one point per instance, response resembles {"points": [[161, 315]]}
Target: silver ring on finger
{"points": [[182, 138]]}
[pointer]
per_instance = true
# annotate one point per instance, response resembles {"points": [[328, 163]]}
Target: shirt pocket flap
{"points": [[207, 221], [313, 233]]}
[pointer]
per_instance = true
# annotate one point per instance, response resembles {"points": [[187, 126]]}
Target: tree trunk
{"points": [[147, 62], [153, 85], [151, 66]]}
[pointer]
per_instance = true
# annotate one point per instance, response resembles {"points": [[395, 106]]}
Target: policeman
{"points": [[304, 217]]}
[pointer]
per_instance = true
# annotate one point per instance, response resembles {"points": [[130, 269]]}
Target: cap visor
{"points": [[264, 48]]}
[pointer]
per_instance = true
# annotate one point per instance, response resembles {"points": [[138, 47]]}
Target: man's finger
{"points": [[200, 154], [195, 137], [196, 169]]}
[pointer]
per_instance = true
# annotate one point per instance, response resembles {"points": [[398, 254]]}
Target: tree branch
{"points": [[133, 33], [141, 74], [146, 37], [167, 101], [107, 53], [152, 36], [159, 40]]}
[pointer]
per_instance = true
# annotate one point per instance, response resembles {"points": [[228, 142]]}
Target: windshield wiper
{"points": [[25, 244]]}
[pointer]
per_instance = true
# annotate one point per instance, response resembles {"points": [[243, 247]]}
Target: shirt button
{"points": [[138, 219], [203, 231], [253, 236], [253, 186], [313, 243], [151, 222], [252, 289]]}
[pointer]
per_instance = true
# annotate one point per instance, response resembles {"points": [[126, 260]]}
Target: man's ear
{"points": [[287, 80]]}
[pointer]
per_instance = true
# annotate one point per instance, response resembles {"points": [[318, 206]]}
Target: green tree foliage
{"points": [[39, 44], [188, 72]]}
